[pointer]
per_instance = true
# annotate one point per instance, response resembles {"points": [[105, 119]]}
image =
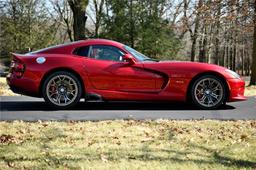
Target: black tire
{"points": [[208, 92], [67, 75]]}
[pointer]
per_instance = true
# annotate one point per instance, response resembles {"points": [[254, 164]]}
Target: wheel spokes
{"points": [[62, 90], [208, 92]]}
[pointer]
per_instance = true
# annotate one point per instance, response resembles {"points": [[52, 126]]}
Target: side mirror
{"points": [[129, 58]]}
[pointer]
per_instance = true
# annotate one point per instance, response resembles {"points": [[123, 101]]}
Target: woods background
{"points": [[215, 31]]}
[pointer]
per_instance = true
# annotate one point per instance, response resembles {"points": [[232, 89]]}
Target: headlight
{"points": [[233, 73]]}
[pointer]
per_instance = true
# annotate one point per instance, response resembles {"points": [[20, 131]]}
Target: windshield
{"points": [[137, 55]]}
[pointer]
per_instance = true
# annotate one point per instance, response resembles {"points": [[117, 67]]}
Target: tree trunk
{"points": [[131, 25], [222, 63], [230, 57], [200, 59], [217, 41], [242, 53], [217, 57], [98, 5], [68, 29], [248, 66], [78, 8], [202, 48], [195, 34], [253, 66], [234, 57], [193, 49], [194, 39], [227, 55]]}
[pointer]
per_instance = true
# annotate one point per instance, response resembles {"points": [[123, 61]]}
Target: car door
{"points": [[107, 71]]}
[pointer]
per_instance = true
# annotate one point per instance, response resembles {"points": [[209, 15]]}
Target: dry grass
{"points": [[250, 91], [4, 89], [160, 144]]}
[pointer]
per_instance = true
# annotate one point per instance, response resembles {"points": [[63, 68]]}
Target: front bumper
{"points": [[236, 89]]}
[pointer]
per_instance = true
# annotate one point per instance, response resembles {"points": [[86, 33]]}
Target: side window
{"points": [[82, 51], [104, 52]]}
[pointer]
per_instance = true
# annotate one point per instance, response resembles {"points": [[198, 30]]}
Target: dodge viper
{"points": [[99, 69]]}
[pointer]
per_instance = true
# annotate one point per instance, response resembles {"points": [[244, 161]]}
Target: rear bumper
{"points": [[236, 88], [22, 85]]}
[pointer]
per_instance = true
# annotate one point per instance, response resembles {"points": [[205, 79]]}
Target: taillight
{"points": [[17, 68]]}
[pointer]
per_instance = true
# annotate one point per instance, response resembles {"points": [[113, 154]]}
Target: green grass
{"points": [[160, 144]]}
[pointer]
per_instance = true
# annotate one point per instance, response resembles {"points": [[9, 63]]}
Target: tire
{"points": [[62, 90], [208, 92]]}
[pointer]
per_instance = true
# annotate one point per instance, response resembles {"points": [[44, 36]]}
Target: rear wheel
{"points": [[62, 90], [208, 92]]}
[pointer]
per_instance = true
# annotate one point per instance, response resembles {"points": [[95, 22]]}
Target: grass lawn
{"points": [[4, 88], [250, 91], [160, 144]]}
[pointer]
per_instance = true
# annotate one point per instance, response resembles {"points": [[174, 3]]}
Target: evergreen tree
{"points": [[140, 24]]}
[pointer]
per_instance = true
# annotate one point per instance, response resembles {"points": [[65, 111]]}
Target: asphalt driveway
{"points": [[33, 109]]}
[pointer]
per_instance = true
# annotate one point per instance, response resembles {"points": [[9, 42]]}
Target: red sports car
{"points": [[108, 70]]}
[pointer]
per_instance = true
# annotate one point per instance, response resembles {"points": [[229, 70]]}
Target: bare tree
{"points": [[96, 14], [253, 67], [65, 15], [78, 8]]}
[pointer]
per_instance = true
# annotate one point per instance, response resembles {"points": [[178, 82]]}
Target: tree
{"points": [[141, 25], [193, 34], [253, 67], [78, 8], [116, 21], [64, 16], [25, 27], [96, 14]]}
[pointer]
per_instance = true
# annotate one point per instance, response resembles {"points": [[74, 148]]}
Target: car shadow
{"points": [[42, 106]]}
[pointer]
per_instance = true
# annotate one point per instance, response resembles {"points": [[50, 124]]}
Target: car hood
{"points": [[170, 65], [183, 68]]}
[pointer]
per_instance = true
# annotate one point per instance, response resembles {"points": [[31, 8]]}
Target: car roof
{"points": [[67, 48], [101, 41]]}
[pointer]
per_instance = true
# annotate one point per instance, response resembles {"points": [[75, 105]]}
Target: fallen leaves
{"points": [[243, 136], [91, 142], [147, 140], [118, 143], [253, 124], [10, 164], [104, 158], [177, 130], [22, 131], [108, 142], [146, 133], [7, 139]]}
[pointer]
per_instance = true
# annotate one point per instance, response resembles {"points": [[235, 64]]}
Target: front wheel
{"points": [[62, 90], [208, 92]]}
